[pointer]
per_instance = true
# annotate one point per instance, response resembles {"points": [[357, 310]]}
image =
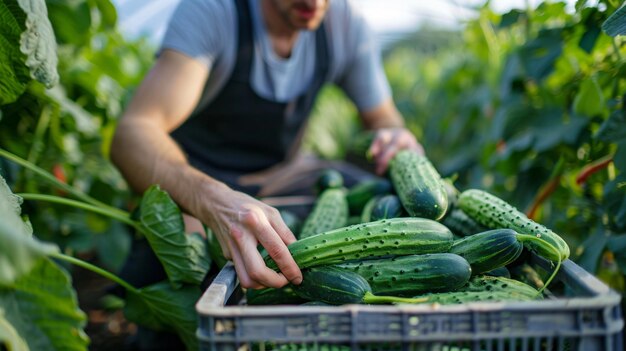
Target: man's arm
{"points": [[145, 154], [391, 135]]}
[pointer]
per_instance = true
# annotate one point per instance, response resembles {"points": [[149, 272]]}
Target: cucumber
{"points": [[500, 284], [489, 250], [418, 185], [330, 212], [272, 296], [388, 206], [412, 274], [366, 215], [459, 297], [362, 192], [461, 224], [337, 286], [396, 236], [494, 212], [328, 179]]}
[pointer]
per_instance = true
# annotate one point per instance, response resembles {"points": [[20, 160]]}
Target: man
{"points": [[220, 115]]}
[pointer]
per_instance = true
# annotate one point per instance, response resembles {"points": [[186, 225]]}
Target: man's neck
{"points": [[282, 34]]}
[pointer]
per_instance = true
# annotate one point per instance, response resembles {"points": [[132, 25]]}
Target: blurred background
{"points": [[524, 99]]}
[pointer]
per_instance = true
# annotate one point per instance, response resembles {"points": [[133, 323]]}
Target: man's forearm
{"points": [[146, 155]]}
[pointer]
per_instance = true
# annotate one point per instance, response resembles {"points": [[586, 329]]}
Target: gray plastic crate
{"points": [[588, 319]]}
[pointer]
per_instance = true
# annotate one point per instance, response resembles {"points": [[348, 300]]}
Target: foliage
{"points": [[67, 129], [36, 296], [27, 47]]}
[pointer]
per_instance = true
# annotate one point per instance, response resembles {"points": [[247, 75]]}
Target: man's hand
{"points": [[387, 142], [240, 223]]}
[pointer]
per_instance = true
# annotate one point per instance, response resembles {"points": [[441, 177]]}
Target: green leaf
{"points": [[19, 250], [614, 128], [27, 47], [39, 44], [539, 55], [160, 307], [588, 40], [511, 17], [589, 100], [616, 23], [43, 308], [12, 69], [9, 338], [184, 257]]}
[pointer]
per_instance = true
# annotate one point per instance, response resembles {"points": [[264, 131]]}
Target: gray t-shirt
{"points": [[206, 30]]}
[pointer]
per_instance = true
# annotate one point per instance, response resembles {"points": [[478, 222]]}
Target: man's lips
{"points": [[305, 12]]}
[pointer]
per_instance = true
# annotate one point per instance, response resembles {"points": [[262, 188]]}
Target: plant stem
{"points": [[125, 218], [95, 269], [49, 177], [373, 299], [544, 245]]}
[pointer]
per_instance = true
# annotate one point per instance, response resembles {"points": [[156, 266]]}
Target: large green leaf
{"points": [[43, 309], [9, 338], [27, 47], [184, 257], [160, 307], [38, 43], [616, 23], [19, 250], [12, 69]]}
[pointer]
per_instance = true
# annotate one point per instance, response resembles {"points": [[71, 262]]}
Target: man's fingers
{"points": [[244, 278], [257, 222], [255, 266]]}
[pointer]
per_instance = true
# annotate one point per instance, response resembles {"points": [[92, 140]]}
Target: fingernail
{"points": [[297, 281]]}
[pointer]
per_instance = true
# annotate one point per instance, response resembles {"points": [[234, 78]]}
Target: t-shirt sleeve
{"points": [[198, 29], [363, 77]]}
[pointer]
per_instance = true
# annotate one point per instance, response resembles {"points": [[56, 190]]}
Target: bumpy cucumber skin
{"points": [[332, 285], [412, 274], [493, 212], [388, 206], [418, 185], [396, 236], [500, 284], [330, 212], [488, 250]]}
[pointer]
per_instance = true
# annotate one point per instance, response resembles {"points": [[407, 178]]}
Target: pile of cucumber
{"points": [[411, 238]]}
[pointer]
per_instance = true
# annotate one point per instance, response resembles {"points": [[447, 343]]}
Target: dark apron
{"points": [[240, 132]]}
